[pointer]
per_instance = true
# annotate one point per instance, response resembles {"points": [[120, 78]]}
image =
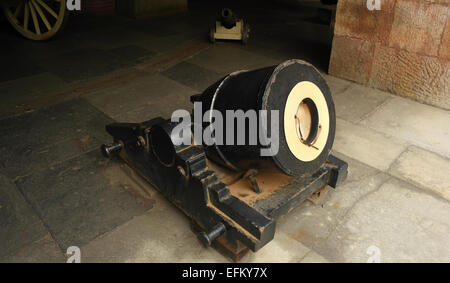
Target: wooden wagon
{"points": [[36, 19]]}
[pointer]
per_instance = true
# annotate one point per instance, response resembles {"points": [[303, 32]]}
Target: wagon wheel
{"points": [[36, 19]]}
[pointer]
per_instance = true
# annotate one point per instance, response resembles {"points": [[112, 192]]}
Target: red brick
{"points": [[418, 26], [351, 58], [99, 7], [353, 19]]}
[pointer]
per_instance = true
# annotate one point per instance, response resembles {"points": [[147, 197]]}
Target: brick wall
{"points": [[404, 48], [98, 7]]}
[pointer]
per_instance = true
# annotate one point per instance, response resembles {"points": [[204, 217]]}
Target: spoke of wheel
{"points": [[19, 8], [47, 8], [35, 20], [41, 14], [26, 16]]}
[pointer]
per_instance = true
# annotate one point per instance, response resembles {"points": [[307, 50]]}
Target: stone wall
{"points": [[404, 48]]}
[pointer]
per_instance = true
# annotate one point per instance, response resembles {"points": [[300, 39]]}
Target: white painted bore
{"points": [[304, 105]]}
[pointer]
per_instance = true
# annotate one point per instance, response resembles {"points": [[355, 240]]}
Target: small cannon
{"points": [[229, 26], [233, 193], [228, 18]]}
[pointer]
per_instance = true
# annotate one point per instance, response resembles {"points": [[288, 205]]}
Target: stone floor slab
{"points": [[146, 94], [164, 44], [19, 224], [282, 249], [82, 198], [131, 54], [313, 257], [227, 59], [108, 38], [164, 235], [357, 101], [25, 89], [402, 223], [193, 76], [336, 85], [424, 169], [44, 250], [38, 139], [163, 107], [84, 63], [419, 124], [160, 235], [366, 145], [313, 224], [81, 23], [38, 51], [18, 65]]}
